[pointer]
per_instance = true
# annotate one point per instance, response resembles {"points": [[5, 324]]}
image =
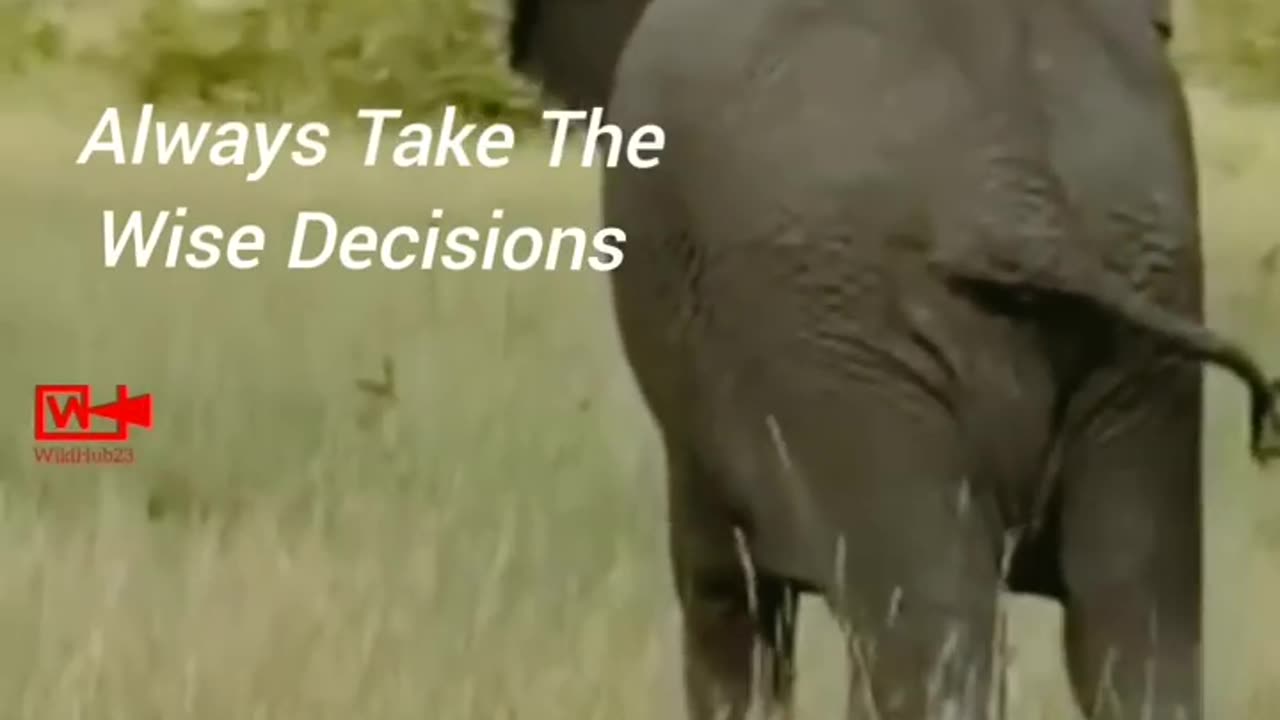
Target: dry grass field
{"points": [[489, 543]]}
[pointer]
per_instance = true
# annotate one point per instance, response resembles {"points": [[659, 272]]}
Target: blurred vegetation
{"points": [[279, 56], [1238, 45], [309, 56]]}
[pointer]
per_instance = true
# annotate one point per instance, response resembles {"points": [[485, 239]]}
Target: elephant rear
{"points": [[777, 291]]}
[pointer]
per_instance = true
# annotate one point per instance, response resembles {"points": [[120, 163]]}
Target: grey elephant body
{"points": [[914, 298]]}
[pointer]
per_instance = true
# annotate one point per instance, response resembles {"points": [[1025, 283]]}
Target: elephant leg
{"points": [[1132, 552], [919, 592], [738, 621], [930, 658]]}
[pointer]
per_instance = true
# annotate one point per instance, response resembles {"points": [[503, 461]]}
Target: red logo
{"points": [[58, 406]]}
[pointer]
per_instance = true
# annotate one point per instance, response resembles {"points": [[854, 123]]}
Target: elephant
{"points": [[915, 299]]}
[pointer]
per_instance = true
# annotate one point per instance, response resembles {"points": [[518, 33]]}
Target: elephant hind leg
{"points": [[738, 621], [921, 561], [1132, 553], [934, 662], [738, 657]]}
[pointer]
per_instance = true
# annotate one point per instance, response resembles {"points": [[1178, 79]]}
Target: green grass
{"points": [[488, 545]]}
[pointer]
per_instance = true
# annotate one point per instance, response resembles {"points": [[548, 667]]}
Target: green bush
{"points": [[337, 54], [292, 56], [1237, 45], [28, 38]]}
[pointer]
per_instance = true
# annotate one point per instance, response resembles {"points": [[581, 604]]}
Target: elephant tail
{"points": [[1105, 293], [1198, 341]]}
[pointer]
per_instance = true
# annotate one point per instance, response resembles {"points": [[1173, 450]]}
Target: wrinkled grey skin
{"points": [[915, 298]]}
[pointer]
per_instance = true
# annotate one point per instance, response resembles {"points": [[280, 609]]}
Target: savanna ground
{"points": [[489, 543]]}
